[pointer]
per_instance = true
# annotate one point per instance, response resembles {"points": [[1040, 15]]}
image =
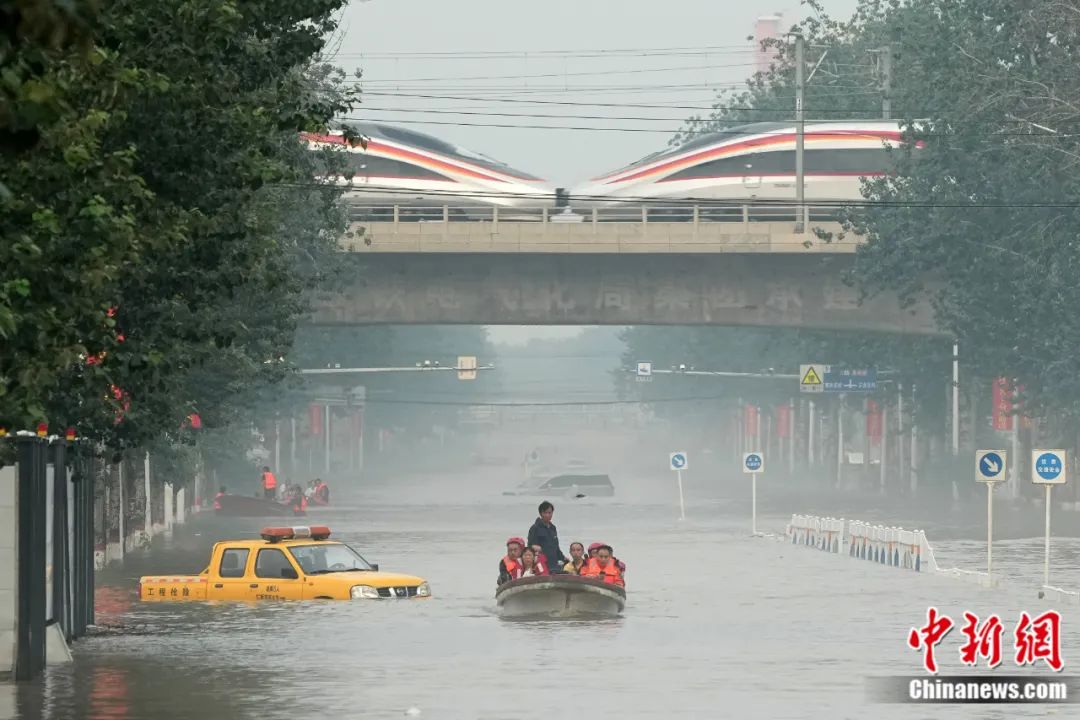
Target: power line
{"points": [[570, 103], [704, 131], [496, 54], [556, 403], [593, 73]]}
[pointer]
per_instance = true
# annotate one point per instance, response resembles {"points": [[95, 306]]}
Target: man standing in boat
{"points": [[544, 534]]}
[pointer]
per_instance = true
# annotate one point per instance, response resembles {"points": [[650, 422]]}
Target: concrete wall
{"points": [[594, 237], [9, 528], [626, 289]]}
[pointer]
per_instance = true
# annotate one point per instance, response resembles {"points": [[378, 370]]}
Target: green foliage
{"points": [[984, 223], [152, 165]]}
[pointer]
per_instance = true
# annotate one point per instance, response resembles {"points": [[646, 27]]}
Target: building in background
{"points": [[767, 27]]}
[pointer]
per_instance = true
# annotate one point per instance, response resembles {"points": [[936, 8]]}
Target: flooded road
{"points": [[717, 624]]}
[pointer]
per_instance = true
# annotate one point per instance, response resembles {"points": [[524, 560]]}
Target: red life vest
{"points": [[269, 481], [609, 574], [217, 500]]}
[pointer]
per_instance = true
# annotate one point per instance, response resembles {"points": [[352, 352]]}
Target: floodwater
{"points": [[718, 624]]}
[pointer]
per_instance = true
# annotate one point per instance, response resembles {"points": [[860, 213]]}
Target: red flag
{"points": [[1003, 405], [315, 413], [783, 420], [873, 421], [750, 419]]}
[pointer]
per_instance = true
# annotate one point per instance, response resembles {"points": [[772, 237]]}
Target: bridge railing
{"points": [[635, 214]]}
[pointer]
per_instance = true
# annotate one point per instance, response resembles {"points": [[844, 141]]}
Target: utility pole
{"points": [[800, 133], [886, 82]]}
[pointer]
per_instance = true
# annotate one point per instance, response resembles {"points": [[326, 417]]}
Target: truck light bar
{"points": [[275, 534]]}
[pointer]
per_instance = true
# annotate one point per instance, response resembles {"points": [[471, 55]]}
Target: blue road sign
{"points": [[837, 379], [753, 462], [990, 465], [679, 461], [1048, 467]]}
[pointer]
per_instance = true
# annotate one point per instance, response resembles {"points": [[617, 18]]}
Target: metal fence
{"points": [[636, 214]]}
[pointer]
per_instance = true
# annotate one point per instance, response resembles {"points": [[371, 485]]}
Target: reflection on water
{"points": [[716, 625]]}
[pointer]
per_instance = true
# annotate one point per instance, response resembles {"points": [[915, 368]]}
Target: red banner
{"points": [[1003, 401], [873, 421], [783, 420], [315, 413], [750, 420]]}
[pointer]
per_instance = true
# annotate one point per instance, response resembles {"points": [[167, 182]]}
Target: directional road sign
{"points": [[990, 465], [1048, 467], [644, 369], [818, 378], [753, 462], [680, 461]]}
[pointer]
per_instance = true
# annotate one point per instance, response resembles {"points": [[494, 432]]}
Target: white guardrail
{"points": [[636, 214], [892, 546]]}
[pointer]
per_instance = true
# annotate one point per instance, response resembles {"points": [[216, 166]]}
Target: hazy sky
{"points": [[671, 55], [452, 67]]}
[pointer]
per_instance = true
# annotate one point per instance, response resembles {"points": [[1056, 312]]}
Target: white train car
{"points": [[421, 174], [750, 164]]}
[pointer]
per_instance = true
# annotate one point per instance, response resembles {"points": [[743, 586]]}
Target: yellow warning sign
{"points": [[811, 379]]}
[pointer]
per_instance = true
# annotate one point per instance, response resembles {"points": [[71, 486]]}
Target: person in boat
{"points": [[544, 534], [577, 559], [510, 565], [530, 565], [603, 567], [217, 498], [618, 563], [541, 559]]}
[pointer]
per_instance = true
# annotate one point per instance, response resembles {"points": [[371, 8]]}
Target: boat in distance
{"points": [[559, 597]]}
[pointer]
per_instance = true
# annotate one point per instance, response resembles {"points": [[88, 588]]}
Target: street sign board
{"points": [[990, 465], [679, 461], [1048, 467], [810, 378], [753, 462], [818, 378], [466, 366]]}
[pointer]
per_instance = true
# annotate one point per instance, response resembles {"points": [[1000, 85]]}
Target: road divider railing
{"points": [[891, 546], [817, 532]]}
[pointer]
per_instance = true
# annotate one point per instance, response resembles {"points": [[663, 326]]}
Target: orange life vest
{"points": [[269, 481], [609, 574], [513, 567]]}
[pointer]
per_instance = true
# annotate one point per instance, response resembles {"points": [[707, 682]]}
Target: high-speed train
{"points": [[420, 174], [752, 163]]}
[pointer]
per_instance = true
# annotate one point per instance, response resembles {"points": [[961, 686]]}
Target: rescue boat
{"points": [[560, 597]]}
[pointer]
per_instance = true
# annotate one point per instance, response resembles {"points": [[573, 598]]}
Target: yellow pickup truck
{"points": [[288, 563]]}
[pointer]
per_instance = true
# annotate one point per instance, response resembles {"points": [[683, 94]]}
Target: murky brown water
{"points": [[717, 625]]}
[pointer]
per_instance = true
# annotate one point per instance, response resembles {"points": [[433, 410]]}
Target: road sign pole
{"points": [[753, 504], [1046, 541], [810, 437], [791, 437], [990, 531], [682, 504]]}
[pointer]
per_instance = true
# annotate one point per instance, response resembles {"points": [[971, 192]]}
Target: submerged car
{"points": [[570, 484], [286, 563]]}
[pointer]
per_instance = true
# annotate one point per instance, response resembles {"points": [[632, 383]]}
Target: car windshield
{"points": [[322, 558]]}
